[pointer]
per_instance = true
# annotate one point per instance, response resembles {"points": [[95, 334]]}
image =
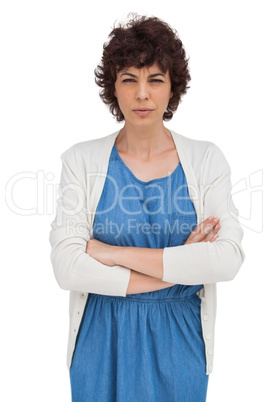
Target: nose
{"points": [[142, 91]]}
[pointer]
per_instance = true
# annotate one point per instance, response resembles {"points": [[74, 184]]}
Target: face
{"points": [[143, 94]]}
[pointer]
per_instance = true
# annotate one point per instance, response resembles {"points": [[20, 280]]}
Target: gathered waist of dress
{"points": [[170, 294]]}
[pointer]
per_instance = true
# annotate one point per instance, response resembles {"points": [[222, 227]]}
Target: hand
{"points": [[205, 231], [102, 252]]}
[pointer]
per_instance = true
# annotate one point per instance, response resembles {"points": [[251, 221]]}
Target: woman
{"points": [[144, 229]]}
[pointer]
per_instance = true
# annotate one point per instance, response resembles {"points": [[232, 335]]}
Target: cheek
{"points": [[164, 98], [122, 98], [122, 103]]}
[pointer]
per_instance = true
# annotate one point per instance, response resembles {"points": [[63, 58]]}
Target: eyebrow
{"points": [[150, 76]]}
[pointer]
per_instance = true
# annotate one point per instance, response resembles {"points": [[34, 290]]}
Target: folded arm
{"points": [[195, 262], [146, 264], [198, 262]]}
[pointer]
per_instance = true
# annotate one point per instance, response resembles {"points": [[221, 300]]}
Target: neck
{"points": [[143, 140]]}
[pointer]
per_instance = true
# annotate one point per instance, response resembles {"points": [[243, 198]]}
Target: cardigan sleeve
{"points": [[205, 262], [70, 231]]}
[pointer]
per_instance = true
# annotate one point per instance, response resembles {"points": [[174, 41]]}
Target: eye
{"points": [[129, 80], [156, 80]]}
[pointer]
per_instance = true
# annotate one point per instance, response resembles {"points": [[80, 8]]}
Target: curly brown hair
{"points": [[143, 41]]}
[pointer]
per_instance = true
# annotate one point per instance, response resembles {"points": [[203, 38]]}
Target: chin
{"points": [[143, 121]]}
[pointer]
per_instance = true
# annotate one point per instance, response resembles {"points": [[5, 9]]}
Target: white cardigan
{"points": [[84, 169]]}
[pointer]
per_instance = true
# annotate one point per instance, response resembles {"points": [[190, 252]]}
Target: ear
{"points": [[115, 94], [171, 95]]}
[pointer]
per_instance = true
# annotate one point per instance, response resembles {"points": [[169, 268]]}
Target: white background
{"points": [[49, 101]]}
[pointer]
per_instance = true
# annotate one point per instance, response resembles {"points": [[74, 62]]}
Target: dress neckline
{"points": [[136, 178]]}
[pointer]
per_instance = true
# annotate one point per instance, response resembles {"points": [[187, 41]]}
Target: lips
{"points": [[143, 111]]}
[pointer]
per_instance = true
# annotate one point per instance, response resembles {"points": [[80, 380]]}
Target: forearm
{"points": [[140, 283], [148, 261]]}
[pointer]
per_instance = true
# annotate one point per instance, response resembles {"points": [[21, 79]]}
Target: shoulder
{"points": [[90, 155], [205, 157], [85, 149], [195, 147], [200, 149]]}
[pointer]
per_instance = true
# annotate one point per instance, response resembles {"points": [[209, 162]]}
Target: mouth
{"points": [[142, 111]]}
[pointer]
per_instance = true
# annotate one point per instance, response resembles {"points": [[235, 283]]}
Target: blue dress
{"points": [[146, 346]]}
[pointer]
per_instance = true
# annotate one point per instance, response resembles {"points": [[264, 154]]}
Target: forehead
{"points": [[146, 70]]}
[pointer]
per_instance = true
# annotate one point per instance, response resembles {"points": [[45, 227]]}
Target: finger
{"points": [[208, 227], [199, 229], [204, 228], [213, 238], [213, 235], [208, 224], [216, 228]]}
